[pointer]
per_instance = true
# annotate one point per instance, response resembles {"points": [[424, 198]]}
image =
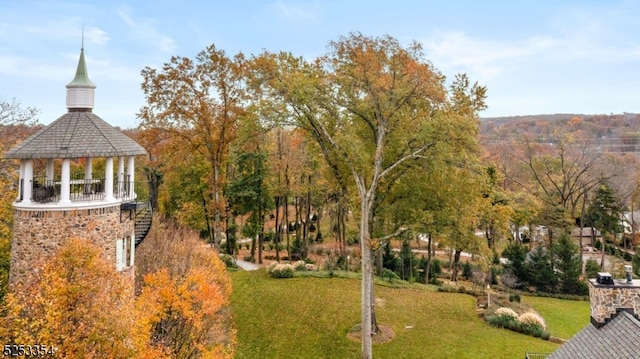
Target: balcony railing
{"points": [[80, 190]]}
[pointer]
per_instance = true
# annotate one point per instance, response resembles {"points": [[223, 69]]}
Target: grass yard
{"points": [[310, 317], [564, 318]]}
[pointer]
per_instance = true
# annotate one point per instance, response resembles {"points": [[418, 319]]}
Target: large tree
{"points": [[373, 106], [200, 103], [16, 124]]}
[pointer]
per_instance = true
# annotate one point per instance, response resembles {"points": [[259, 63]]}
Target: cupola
{"points": [[80, 91]]}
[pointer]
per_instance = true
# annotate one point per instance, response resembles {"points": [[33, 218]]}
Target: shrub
{"points": [[467, 270], [228, 260], [531, 320], [591, 268], [504, 321], [388, 274], [527, 323], [269, 237], [514, 298], [300, 266], [280, 270], [507, 312]]}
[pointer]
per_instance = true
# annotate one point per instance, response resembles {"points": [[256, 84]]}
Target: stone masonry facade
{"points": [[38, 234], [606, 300]]}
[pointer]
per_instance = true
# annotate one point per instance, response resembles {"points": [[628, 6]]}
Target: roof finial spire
{"points": [[82, 44]]}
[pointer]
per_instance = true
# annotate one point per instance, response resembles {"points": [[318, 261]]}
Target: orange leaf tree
{"points": [[77, 303], [198, 103], [185, 293]]}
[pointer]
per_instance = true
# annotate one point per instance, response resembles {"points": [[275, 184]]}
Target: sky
{"points": [[534, 56]]}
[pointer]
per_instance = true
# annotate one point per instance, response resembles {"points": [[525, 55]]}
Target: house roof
{"points": [[76, 134], [618, 339]]}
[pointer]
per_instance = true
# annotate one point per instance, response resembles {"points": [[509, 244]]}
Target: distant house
{"points": [[630, 220], [614, 331]]}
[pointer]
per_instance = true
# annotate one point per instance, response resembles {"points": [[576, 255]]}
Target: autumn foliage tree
{"points": [[16, 124], [184, 294], [80, 305], [372, 106], [198, 103], [77, 303]]}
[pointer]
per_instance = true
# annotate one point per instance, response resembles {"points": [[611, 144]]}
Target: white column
{"points": [[50, 170], [28, 181], [65, 181], [88, 168], [132, 194], [88, 174], [21, 183], [108, 180], [120, 175]]}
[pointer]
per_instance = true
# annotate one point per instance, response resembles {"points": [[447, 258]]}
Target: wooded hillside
{"points": [[613, 132]]}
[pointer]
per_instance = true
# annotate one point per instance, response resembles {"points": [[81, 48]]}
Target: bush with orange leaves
{"points": [[184, 291], [78, 304]]}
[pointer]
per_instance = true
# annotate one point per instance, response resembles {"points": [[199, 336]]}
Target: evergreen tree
{"points": [[568, 266], [539, 269], [517, 254]]}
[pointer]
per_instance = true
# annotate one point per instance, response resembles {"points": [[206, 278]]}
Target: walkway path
{"points": [[248, 266]]}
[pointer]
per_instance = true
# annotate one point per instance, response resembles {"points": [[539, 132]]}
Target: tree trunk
{"points": [[378, 257], [216, 225], [207, 219], [308, 214], [230, 233], [584, 203], [253, 248], [155, 179], [286, 225], [260, 234], [277, 228], [456, 261], [366, 311], [427, 268]]}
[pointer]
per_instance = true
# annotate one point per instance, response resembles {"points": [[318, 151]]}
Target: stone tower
{"points": [[77, 180]]}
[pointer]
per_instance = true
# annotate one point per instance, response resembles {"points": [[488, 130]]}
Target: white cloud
{"points": [[483, 58], [94, 35]]}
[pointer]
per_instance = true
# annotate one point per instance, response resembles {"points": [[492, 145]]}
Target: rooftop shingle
{"points": [[76, 134], [619, 339]]}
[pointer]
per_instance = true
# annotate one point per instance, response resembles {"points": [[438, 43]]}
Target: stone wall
{"points": [[38, 234], [607, 300]]}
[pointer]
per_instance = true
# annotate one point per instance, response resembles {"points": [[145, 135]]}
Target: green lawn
{"points": [[564, 318], [310, 317]]}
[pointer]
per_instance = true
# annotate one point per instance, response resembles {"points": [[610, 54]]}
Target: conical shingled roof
{"points": [[76, 134]]}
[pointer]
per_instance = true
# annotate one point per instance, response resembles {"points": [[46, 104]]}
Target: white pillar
{"points": [[27, 181], [50, 172], [88, 174], [120, 176], [88, 168], [130, 161], [65, 181], [108, 180], [21, 184]]}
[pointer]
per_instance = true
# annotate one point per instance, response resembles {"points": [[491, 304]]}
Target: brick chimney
{"points": [[610, 296]]}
